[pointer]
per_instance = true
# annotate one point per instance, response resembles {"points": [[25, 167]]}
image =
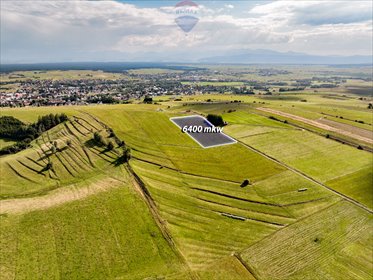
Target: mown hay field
{"points": [[105, 236], [325, 160], [109, 233], [335, 243], [198, 191]]}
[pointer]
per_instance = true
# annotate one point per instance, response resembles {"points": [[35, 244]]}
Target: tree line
{"points": [[14, 129]]}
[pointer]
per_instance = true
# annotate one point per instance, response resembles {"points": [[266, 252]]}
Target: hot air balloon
{"points": [[187, 19]]}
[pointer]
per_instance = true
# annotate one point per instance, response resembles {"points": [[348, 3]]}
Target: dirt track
{"points": [[318, 124], [55, 198]]}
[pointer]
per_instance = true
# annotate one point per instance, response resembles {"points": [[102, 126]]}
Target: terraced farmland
{"points": [[178, 211], [199, 194], [74, 159]]}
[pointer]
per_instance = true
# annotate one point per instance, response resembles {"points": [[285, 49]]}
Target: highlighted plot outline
{"points": [[204, 139]]}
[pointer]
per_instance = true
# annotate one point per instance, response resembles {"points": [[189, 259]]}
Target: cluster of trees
{"points": [[105, 99], [242, 90], [291, 89], [216, 120], [14, 129], [45, 123], [11, 128], [101, 141], [148, 100]]}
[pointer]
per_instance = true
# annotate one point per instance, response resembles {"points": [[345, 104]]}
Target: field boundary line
{"points": [[236, 197], [140, 187], [309, 178], [184, 172], [241, 208], [298, 220], [245, 265], [316, 124]]}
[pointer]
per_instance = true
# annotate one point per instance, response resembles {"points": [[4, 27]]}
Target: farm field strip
{"points": [[347, 127], [59, 196], [196, 201], [318, 124], [320, 159], [172, 210], [358, 203], [323, 236]]}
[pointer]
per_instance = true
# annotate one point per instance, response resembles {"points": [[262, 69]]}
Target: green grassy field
{"points": [[23, 173], [106, 236], [89, 219], [59, 75], [200, 188], [329, 162], [327, 245], [5, 143], [213, 83], [343, 168]]}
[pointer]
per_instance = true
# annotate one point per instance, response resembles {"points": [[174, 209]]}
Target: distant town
{"points": [[43, 88]]}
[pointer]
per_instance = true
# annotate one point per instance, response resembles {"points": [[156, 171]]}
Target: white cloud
{"points": [[316, 12], [96, 30]]}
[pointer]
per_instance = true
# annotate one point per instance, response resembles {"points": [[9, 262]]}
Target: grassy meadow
{"points": [[178, 211]]}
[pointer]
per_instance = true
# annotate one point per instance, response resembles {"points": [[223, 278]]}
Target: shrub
{"points": [[98, 139], [216, 120], [53, 149], [148, 100], [111, 133], [126, 156], [49, 166], [245, 183], [110, 146]]}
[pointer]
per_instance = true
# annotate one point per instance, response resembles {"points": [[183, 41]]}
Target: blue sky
{"points": [[239, 6], [54, 31]]}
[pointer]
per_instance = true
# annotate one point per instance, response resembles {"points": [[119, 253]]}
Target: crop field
{"points": [[322, 159], [199, 188], [178, 211], [333, 237]]}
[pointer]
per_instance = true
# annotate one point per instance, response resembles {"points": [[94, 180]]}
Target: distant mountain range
{"points": [[233, 57], [273, 57]]}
